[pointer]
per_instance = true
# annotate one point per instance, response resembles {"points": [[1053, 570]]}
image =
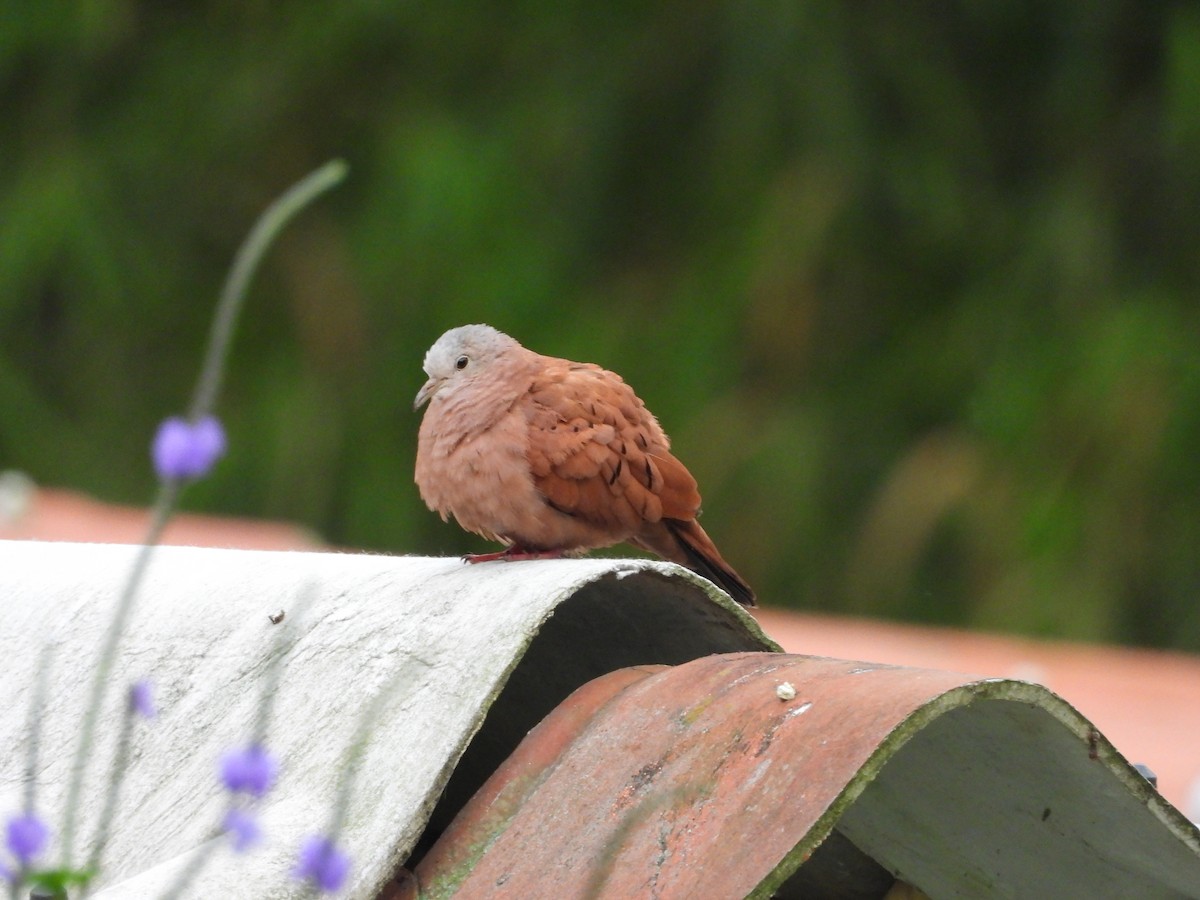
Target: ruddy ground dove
{"points": [[553, 457]]}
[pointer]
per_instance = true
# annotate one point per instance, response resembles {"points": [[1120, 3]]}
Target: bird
{"points": [[553, 458]]}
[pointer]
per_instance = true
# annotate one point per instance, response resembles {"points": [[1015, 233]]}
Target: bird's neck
{"points": [[489, 397]]}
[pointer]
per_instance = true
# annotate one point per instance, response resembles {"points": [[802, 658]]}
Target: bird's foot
{"points": [[512, 554]]}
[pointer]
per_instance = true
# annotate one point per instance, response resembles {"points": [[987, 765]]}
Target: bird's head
{"points": [[459, 356]]}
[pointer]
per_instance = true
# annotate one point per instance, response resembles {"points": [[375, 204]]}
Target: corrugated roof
{"points": [[952, 785], [1146, 701], [763, 775], [419, 648]]}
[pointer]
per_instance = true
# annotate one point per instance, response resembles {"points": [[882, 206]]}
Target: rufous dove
{"points": [[553, 457]]}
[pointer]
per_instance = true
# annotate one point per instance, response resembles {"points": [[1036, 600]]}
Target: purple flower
{"points": [[185, 450], [243, 828], [7, 874], [141, 699], [26, 836], [322, 863], [250, 771]]}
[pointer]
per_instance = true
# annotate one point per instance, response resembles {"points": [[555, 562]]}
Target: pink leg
{"points": [[512, 554]]}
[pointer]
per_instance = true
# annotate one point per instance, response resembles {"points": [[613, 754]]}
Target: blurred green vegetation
{"points": [[913, 288]]}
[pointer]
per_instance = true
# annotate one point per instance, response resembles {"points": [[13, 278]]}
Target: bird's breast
{"points": [[482, 478], [479, 476]]}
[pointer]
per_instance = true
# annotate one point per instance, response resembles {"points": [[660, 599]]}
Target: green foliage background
{"points": [[912, 286]]}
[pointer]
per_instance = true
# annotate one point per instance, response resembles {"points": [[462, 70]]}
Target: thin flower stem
{"points": [[285, 639], [244, 264], [349, 771], [168, 492], [232, 296], [194, 866], [113, 795], [370, 716], [262, 720], [37, 707]]}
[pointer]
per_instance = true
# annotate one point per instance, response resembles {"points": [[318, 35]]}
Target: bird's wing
{"points": [[597, 453]]}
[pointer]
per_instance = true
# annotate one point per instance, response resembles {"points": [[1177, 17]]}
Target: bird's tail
{"points": [[686, 543]]}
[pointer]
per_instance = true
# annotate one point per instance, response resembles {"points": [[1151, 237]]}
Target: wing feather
{"points": [[596, 452]]}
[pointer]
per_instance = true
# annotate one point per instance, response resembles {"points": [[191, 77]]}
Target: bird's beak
{"points": [[428, 389]]}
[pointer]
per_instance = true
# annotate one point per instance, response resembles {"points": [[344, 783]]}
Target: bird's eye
{"points": [[461, 362]]}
